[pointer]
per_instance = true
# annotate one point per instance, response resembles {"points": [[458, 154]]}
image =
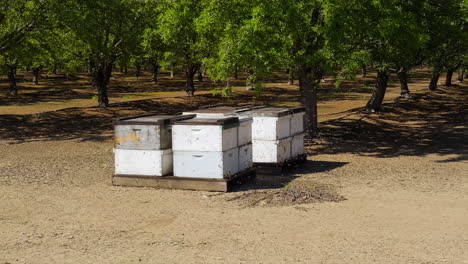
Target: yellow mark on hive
{"points": [[132, 137]]}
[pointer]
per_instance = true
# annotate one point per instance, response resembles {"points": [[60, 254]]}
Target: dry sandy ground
{"points": [[398, 210], [57, 206]]}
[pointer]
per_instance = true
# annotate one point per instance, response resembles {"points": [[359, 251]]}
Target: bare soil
{"points": [[390, 187]]}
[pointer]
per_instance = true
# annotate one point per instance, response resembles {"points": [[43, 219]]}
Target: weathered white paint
{"points": [[297, 123], [143, 162], [244, 131], [271, 151], [297, 145], [149, 137], [245, 157], [206, 164], [271, 128], [203, 138]]}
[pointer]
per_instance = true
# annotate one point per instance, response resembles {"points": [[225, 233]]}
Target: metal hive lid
{"points": [[208, 121], [272, 112], [150, 119]]}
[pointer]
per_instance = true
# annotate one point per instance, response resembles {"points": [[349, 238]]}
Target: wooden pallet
{"points": [[278, 169], [171, 182]]}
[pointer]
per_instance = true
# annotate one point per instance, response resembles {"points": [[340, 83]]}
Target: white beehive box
{"points": [[245, 122], [145, 132], [271, 123], [271, 151], [297, 145], [245, 157], [245, 131], [201, 134], [297, 120], [206, 164], [143, 162]]}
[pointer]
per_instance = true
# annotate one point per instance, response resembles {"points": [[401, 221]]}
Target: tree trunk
{"points": [[91, 67], [403, 77], [36, 71], [290, 76], [250, 81], [461, 75], [172, 71], [190, 74], [12, 81], [309, 81], [101, 79], [155, 72], [378, 95], [448, 79], [236, 72], [434, 80], [200, 76], [364, 70], [138, 70]]}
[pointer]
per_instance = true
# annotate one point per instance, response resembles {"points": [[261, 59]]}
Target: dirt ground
{"points": [[402, 175]]}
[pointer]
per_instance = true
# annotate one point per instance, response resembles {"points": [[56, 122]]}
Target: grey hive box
{"points": [[145, 132]]}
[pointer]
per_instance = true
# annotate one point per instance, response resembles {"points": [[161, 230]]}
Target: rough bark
{"points": [[461, 75], [155, 72], [36, 71], [290, 76], [403, 77], [12, 81], [138, 70], [375, 102], [448, 78], [236, 72], [434, 80], [200, 76], [102, 76], [309, 81], [172, 71], [250, 81], [190, 74], [91, 66]]}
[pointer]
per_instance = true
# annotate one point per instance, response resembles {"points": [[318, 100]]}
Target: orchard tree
{"points": [[9, 62], [18, 18], [264, 35], [187, 44], [305, 42], [249, 39], [103, 30], [447, 28], [389, 32]]}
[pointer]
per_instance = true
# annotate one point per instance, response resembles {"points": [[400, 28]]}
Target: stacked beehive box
{"points": [[143, 145], [244, 131], [206, 147], [277, 134]]}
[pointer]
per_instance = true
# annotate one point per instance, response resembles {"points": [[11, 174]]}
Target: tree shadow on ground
{"points": [[51, 95], [262, 182], [429, 123], [94, 123]]}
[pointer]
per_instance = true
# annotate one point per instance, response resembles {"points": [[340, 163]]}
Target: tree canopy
{"points": [[222, 37]]}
